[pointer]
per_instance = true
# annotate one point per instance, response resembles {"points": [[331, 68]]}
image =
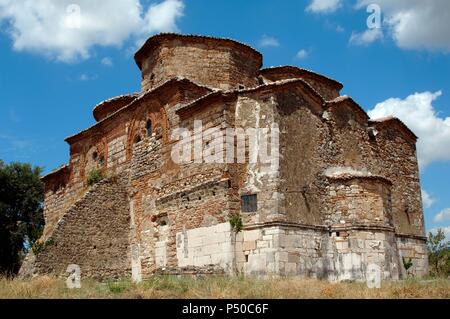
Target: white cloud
{"points": [[367, 37], [267, 41], [87, 77], [302, 54], [416, 24], [418, 113], [324, 6], [340, 28], [427, 199], [55, 29], [107, 61], [443, 215]]}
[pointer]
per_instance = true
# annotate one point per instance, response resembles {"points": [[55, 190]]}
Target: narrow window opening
{"points": [[246, 258], [249, 203], [338, 234], [94, 156], [137, 139]]}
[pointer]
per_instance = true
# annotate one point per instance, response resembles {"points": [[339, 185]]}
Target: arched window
{"points": [[149, 128]]}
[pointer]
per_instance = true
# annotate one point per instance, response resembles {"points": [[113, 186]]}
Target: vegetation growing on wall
{"points": [[236, 223], [39, 247], [94, 176]]}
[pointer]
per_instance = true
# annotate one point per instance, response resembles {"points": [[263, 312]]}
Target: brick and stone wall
{"points": [[327, 88], [94, 234], [343, 195], [216, 63]]}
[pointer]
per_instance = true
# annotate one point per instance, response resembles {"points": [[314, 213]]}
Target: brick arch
{"points": [[164, 123], [133, 132]]}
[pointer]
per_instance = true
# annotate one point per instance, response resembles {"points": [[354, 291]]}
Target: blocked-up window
{"points": [[249, 203]]}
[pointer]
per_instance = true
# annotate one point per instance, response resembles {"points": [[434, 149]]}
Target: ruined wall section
{"points": [[108, 146], [92, 234]]}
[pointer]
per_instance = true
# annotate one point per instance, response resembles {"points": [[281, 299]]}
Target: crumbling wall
{"points": [[92, 234]]}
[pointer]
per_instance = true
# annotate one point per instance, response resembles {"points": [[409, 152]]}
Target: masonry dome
{"points": [[213, 62]]}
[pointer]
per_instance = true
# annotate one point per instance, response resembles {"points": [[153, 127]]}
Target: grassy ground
{"points": [[222, 287]]}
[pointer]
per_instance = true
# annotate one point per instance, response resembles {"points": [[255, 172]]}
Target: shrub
{"points": [[438, 254], [39, 247], [95, 176], [236, 223], [407, 263]]}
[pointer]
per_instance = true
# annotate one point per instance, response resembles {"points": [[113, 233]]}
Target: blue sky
{"points": [[54, 70]]}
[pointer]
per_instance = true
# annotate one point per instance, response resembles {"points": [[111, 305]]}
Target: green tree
{"points": [[21, 213], [438, 253]]}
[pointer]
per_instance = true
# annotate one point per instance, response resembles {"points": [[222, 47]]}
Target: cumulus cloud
{"points": [[302, 54], [323, 6], [418, 113], [416, 24], [427, 199], [443, 215], [367, 37], [67, 32], [268, 41], [107, 61]]}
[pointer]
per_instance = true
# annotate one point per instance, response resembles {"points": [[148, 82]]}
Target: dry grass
{"points": [[222, 287]]}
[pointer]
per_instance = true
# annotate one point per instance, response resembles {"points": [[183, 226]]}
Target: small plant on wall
{"points": [[407, 263], [94, 176], [236, 223], [39, 247]]}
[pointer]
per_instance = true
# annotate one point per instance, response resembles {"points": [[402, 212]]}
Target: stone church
{"points": [[343, 197]]}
